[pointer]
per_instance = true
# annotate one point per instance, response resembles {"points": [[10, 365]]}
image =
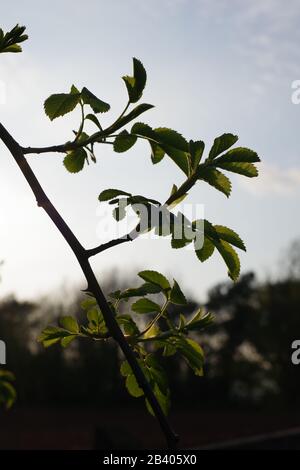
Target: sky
{"points": [[213, 66]]}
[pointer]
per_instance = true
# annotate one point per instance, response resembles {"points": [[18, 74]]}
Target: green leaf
{"points": [[94, 316], [124, 141], [13, 48], [206, 251], [230, 257], [216, 179], [230, 236], [222, 143], [8, 41], [176, 295], [144, 130], [136, 84], [7, 394], [206, 227], [115, 295], [155, 278], [65, 342], [245, 169], [178, 156], [199, 321], [150, 288], [192, 353], [239, 154], [178, 243], [182, 322], [74, 160], [97, 105], [171, 138], [157, 153], [88, 303], [61, 104], [7, 375], [129, 325], [125, 369], [162, 399], [144, 289], [52, 335], [136, 112], [109, 194], [145, 306], [69, 323], [94, 119], [174, 145], [133, 387], [163, 140], [196, 150], [74, 90]]}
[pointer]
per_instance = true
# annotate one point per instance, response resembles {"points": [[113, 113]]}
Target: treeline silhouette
{"points": [[248, 352]]}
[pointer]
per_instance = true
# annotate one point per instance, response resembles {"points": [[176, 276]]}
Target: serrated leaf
{"points": [[206, 251], [97, 105], [174, 145], [178, 243], [144, 289], [13, 48], [94, 119], [74, 90], [245, 169], [182, 321], [145, 306], [171, 138], [129, 325], [151, 288], [125, 369], [230, 236], [157, 153], [65, 342], [196, 150], [222, 143], [144, 130], [216, 179], [152, 332], [199, 322], [60, 104], [168, 141], [74, 160], [94, 316], [88, 303], [133, 387], [124, 141], [239, 154], [136, 84], [136, 112], [69, 323], [176, 295], [109, 194], [8, 41], [192, 353], [230, 257], [162, 399], [178, 156], [155, 278]]}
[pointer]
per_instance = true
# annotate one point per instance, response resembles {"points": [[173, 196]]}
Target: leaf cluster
{"points": [[161, 335]]}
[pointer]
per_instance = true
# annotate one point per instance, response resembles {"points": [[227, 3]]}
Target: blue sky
{"points": [[213, 66]]}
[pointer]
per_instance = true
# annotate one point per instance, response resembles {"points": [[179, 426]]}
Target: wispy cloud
{"points": [[273, 180]]}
